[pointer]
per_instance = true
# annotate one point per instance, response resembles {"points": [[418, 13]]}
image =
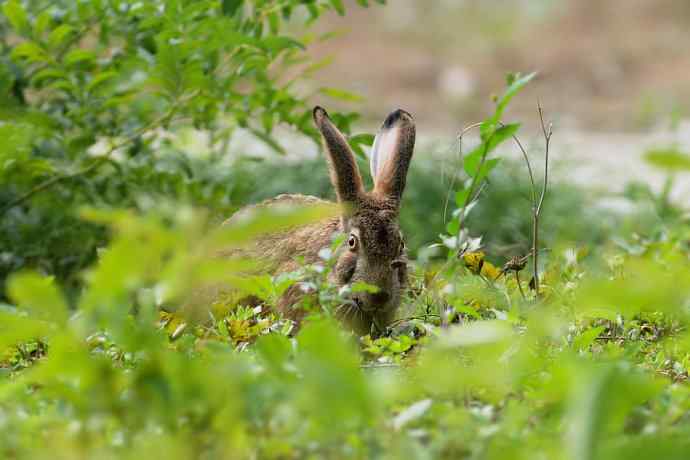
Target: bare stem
{"points": [[457, 169], [537, 209], [517, 280], [533, 187], [547, 140], [535, 252]]}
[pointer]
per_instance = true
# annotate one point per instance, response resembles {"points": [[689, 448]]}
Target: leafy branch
{"points": [[536, 207], [96, 163], [477, 165]]}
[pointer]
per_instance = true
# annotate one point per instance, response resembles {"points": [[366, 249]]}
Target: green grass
{"points": [[596, 367]]}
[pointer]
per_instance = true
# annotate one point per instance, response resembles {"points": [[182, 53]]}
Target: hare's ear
{"points": [[344, 172], [392, 153]]}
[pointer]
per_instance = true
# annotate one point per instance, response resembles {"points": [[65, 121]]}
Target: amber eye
{"points": [[352, 242]]}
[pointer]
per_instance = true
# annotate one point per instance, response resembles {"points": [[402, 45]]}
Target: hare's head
{"points": [[373, 251]]}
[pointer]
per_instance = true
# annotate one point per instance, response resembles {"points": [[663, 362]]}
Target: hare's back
{"points": [[281, 201], [281, 249]]}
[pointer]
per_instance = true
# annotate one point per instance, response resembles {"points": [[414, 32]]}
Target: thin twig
{"points": [[517, 280], [95, 164], [457, 169], [533, 187], [547, 140], [537, 209]]}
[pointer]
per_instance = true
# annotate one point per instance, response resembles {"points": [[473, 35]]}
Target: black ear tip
{"points": [[319, 113], [396, 115]]}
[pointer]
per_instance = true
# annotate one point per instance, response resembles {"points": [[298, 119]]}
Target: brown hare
{"points": [[374, 251]]}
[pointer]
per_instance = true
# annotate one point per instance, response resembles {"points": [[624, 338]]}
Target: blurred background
{"points": [[618, 65], [612, 75]]}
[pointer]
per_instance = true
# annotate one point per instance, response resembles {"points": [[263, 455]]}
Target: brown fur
{"points": [[369, 220]]}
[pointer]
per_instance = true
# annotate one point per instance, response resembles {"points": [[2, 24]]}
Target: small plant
{"points": [[477, 165]]}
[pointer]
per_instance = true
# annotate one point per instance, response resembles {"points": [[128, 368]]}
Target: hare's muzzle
{"points": [[379, 298], [371, 302]]}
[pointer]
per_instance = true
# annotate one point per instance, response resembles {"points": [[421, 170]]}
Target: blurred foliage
{"points": [[104, 353], [597, 369]]}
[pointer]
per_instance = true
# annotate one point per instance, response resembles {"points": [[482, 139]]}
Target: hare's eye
{"points": [[352, 242]]}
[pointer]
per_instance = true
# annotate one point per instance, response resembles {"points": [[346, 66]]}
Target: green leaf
{"points": [[230, 7], [488, 166], [600, 400], [311, 69], [453, 227], [18, 138], [60, 35], [361, 286], [502, 134], [30, 52], [341, 95], [101, 79], [274, 350], [472, 165], [79, 57], [15, 328], [325, 359], [514, 88], [338, 6], [42, 23], [276, 44], [461, 197], [473, 159], [357, 141], [38, 295], [587, 338], [46, 75], [16, 15], [274, 22], [363, 139], [646, 286], [669, 159]]}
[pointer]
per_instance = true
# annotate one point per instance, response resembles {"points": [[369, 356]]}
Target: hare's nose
{"points": [[380, 297]]}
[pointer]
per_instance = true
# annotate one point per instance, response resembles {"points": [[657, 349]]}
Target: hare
{"points": [[374, 250]]}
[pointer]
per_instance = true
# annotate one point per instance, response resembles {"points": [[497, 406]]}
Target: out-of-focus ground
{"points": [[614, 75]]}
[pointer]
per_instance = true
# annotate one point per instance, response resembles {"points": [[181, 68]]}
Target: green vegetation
{"points": [[109, 226]]}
